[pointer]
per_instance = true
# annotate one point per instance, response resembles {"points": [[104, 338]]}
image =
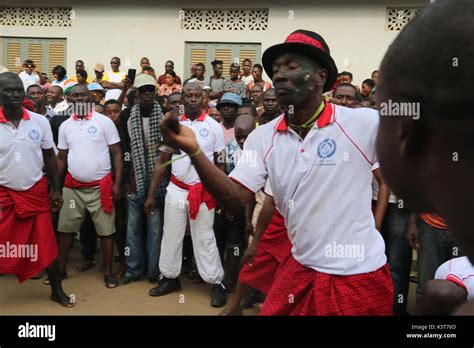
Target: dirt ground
{"points": [[93, 298]]}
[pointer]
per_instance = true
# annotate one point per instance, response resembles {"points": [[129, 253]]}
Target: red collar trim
{"points": [[88, 116], [456, 280], [326, 117], [25, 116], [200, 118]]}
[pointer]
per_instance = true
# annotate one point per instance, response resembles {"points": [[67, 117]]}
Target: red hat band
{"points": [[302, 38]]}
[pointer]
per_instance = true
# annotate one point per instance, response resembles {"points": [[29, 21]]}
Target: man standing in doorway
{"points": [[246, 75], [169, 67], [215, 81], [29, 76]]}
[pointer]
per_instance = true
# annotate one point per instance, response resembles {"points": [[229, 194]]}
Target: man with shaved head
{"points": [[87, 142], [26, 144], [271, 108], [186, 198], [426, 154], [55, 100]]}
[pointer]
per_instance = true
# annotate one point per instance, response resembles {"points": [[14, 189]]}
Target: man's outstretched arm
{"points": [[229, 194]]}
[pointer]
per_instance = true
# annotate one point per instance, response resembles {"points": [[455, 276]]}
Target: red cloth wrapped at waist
{"points": [[27, 203], [197, 195], [105, 184], [26, 231]]}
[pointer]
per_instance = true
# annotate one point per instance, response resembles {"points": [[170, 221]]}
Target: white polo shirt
{"points": [[460, 271], [210, 137], [29, 79], [21, 156], [321, 186], [88, 141]]}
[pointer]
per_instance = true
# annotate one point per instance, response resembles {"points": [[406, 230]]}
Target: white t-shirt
{"points": [[322, 187], [247, 79], [116, 77], [59, 107], [28, 79], [210, 137], [88, 142], [460, 271], [375, 192], [21, 156], [61, 83]]}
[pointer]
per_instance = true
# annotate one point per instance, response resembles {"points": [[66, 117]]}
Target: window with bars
{"points": [[37, 16], [224, 19], [46, 53], [397, 17], [206, 52]]}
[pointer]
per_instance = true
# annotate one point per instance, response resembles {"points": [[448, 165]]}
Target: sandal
{"points": [[110, 282], [86, 266]]}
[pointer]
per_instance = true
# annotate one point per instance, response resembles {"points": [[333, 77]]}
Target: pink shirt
{"points": [[228, 134]]}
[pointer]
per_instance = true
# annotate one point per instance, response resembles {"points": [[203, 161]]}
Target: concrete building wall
{"points": [[354, 29]]}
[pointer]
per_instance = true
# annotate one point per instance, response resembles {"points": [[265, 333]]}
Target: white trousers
{"points": [[202, 234]]}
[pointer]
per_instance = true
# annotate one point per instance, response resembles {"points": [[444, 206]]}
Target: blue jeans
{"points": [[399, 254], [437, 247], [138, 256]]}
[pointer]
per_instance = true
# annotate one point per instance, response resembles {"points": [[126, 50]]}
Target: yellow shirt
{"points": [[88, 80], [111, 76]]}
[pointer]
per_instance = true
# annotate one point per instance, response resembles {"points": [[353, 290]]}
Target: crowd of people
{"points": [[271, 192]]}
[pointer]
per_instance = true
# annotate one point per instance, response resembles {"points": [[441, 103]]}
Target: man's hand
{"points": [[249, 231], [149, 205], [250, 252], [116, 193], [127, 83], [176, 135], [412, 236], [56, 200]]}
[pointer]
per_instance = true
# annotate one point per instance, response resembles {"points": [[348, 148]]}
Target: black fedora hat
{"points": [[309, 44]]}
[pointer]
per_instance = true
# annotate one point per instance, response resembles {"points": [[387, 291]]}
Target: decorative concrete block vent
{"points": [[36, 16], [224, 19], [397, 17]]}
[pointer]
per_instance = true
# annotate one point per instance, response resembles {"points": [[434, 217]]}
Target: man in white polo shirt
{"points": [[185, 198], [318, 158], [27, 241], [452, 286], [87, 141]]}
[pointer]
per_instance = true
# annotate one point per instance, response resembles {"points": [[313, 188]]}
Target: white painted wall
{"points": [[354, 29]]}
